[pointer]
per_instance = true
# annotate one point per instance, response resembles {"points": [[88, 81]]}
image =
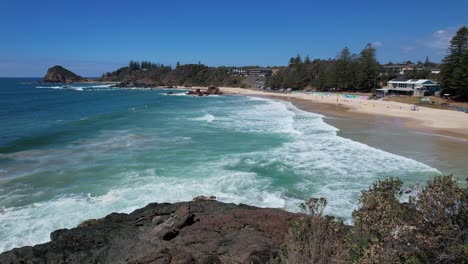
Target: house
{"points": [[261, 72], [400, 68], [415, 87]]}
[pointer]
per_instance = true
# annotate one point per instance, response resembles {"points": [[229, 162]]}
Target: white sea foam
{"points": [[32, 224], [207, 118], [177, 94], [49, 87], [71, 88], [314, 161], [77, 88], [328, 165]]}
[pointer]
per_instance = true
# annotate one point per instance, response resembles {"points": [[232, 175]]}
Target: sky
{"points": [[94, 37]]}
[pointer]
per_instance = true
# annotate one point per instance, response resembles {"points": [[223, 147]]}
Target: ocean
{"points": [[71, 154]]}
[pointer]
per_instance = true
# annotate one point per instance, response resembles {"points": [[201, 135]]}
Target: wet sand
{"points": [[439, 149]]}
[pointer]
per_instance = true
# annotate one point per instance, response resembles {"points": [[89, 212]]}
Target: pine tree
{"points": [[460, 77], [343, 68], [427, 62], [297, 60], [368, 68], [452, 74]]}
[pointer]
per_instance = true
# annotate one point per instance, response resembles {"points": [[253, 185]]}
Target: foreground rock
{"points": [[202, 231], [58, 74]]}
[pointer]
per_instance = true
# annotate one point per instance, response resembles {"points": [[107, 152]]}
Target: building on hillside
{"points": [[237, 71], [261, 72], [398, 68], [415, 87]]}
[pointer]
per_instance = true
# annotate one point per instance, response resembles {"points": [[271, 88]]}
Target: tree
{"points": [[454, 65], [297, 60], [368, 68], [343, 68], [427, 62], [134, 65], [460, 75]]}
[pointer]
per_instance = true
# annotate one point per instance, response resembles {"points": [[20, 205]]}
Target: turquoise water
{"points": [[71, 154]]}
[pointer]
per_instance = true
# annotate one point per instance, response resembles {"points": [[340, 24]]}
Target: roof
{"points": [[413, 81], [259, 69], [399, 80]]}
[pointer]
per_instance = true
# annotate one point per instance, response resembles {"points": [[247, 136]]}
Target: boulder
{"points": [[213, 90]]}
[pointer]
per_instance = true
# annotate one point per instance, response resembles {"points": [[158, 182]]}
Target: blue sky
{"points": [[92, 37]]}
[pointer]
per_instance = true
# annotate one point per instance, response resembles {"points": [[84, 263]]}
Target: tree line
{"points": [[362, 72], [348, 71]]}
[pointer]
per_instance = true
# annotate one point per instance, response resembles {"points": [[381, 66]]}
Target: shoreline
{"points": [[426, 120], [442, 149]]}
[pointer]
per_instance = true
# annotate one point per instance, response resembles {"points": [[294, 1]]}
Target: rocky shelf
{"points": [[201, 231]]}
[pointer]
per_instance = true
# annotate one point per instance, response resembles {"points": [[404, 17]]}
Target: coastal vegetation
{"points": [[154, 74], [430, 227], [454, 70], [346, 72], [362, 72]]}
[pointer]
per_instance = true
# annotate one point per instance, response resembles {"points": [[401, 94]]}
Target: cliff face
{"points": [[202, 231], [58, 74]]}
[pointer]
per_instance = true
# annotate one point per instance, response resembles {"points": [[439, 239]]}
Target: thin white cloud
{"points": [[440, 39], [408, 48], [377, 44]]}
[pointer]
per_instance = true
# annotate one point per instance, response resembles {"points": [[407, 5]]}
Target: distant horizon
{"points": [[91, 38]]}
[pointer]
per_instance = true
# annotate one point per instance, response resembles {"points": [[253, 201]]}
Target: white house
{"points": [[415, 87]]}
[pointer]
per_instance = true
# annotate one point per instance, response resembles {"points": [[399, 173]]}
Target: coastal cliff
{"points": [[59, 74], [201, 231]]}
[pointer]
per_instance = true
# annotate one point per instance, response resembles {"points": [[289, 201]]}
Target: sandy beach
{"points": [[445, 122]]}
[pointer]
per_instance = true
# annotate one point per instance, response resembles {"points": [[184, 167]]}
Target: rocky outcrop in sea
{"points": [[59, 74], [201, 231]]}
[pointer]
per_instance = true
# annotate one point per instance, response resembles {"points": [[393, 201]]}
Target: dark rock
{"points": [[213, 90], [58, 74], [87, 223], [204, 198], [202, 231], [147, 83]]}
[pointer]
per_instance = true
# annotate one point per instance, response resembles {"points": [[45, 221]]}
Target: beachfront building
{"points": [[260, 72], [415, 87]]}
